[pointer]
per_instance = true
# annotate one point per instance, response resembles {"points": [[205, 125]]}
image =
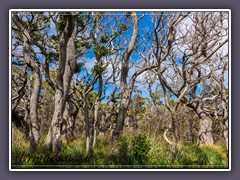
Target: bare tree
{"points": [[186, 54], [219, 75], [25, 34]]}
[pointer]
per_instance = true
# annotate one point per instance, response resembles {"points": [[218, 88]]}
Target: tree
{"points": [[25, 33], [187, 51], [221, 68]]}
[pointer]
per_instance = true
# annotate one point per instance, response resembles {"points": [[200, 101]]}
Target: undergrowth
{"points": [[129, 152]]}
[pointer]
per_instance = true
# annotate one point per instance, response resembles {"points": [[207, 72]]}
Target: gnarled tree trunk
{"points": [[33, 105], [67, 64], [205, 129], [125, 92], [56, 122], [122, 114], [34, 122], [69, 118]]}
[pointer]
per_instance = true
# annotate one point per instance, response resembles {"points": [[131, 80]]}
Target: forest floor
{"points": [[130, 152]]}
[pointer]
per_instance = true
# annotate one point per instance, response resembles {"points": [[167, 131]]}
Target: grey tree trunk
{"points": [[87, 128], [225, 132], [96, 111], [102, 125], [56, 122], [67, 64], [69, 118], [190, 122], [225, 115], [121, 116], [225, 119], [34, 122], [94, 130], [205, 129], [125, 91], [174, 129]]}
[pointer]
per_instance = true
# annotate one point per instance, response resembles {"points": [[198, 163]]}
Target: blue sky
{"points": [[89, 58]]}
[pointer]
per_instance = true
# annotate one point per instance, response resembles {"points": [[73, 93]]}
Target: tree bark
{"points": [[225, 132], [56, 122], [69, 118], [121, 115], [67, 64], [96, 111], [205, 129], [190, 123], [225, 118], [34, 122], [125, 92], [86, 120], [174, 129]]}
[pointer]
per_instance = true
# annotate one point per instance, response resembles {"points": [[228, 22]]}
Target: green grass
{"points": [[129, 152]]}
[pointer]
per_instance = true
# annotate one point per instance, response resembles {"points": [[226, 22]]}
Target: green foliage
{"points": [[83, 44], [80, 21], [217, 155], [123, 27], [91, 98], [124, 152], [52, 57], [172, 102], [140, 100], [78, 67], [60, 25], [140, 148], [97, 68], [101, 51], [37, 37], [54, 37], [44, 18], [193, 155], [104, 39], [137, 106], [116, 33], [154, 95], [134, 152], [226, 91]]}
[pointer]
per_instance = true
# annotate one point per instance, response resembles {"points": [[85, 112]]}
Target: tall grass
{"points": [[130, 152]]}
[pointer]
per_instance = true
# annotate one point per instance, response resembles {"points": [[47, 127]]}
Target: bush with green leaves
{"points": [[141, 145], [97, 68], [123, 151], [101, 51]]}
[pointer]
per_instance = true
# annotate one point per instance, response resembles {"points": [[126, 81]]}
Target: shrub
{"points": [[140, 147]]}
